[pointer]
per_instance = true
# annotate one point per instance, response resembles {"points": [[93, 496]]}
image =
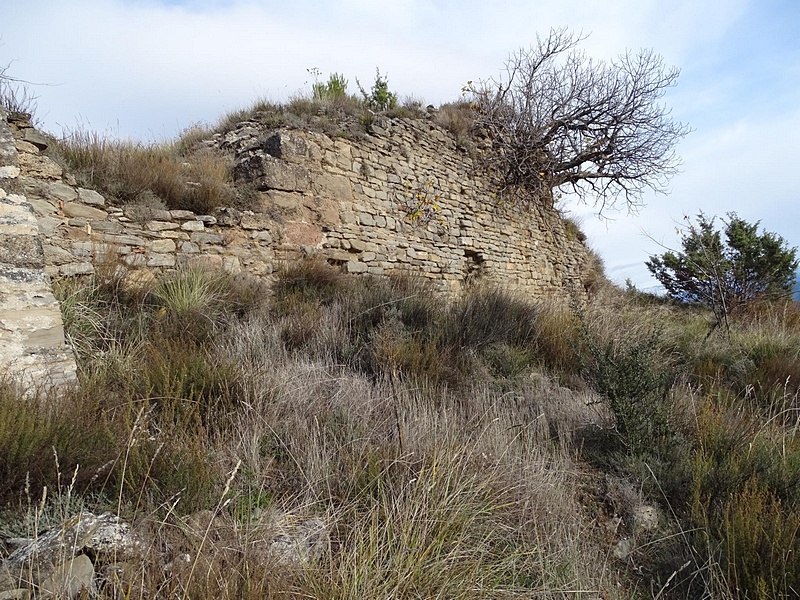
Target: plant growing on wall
{"points": [[558, 120], [420, 203], [379, 98]]}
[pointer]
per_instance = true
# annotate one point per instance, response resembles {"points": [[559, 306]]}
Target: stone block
{"points": [[40, 167], [356, 267], [160, 260], [199, 237], [189, 248], [270, 173], [182, 215], [75, 209], [90, 197], [161, 246], [193, 226], [161, 225], [125, 240], [61, 191], [32, 136]]}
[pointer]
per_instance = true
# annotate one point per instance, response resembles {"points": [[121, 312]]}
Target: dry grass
{"points": [[198, 180], [437, 441]]}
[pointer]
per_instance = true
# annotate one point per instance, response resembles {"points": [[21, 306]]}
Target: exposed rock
{"points": [[71, 578], [32, 136], [75, 209], [90, 197]]}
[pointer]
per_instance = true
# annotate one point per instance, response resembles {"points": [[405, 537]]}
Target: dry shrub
{"points": [[199, 181], [458, 118]]}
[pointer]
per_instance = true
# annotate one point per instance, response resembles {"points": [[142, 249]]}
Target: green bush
{"points": [[379, 98], [636, 381]]}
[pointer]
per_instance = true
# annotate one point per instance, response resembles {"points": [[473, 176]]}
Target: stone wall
{"points": [[345, 200], [33, 350]]}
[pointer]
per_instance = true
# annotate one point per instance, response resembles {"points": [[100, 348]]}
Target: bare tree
{"points": [[561, 121]]}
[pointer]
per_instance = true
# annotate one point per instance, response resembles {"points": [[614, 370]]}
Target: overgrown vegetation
{"points": [[478, 448]]}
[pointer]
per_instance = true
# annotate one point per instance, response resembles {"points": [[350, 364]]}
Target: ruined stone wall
{"points": [[33, 350], [346, 200]]}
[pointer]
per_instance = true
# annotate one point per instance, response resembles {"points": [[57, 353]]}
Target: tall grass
{"points": [[465, 449], [198, 180]]}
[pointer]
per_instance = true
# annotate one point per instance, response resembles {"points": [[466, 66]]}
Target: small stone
{"points": [[70, 579], [61, 191], [356, 267], [74, 209], [182, 215], [90, 197], [161, 225], [193, 226], [36, 138]]}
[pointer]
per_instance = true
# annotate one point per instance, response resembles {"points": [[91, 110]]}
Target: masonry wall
{"points": [[33, 350], [345, 200]]}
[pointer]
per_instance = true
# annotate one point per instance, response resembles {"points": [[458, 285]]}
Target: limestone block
{"points": [[356, 267], [207, 219], [105, 227], [161, 225], [333, 186], [161, 246], [90, 197], [21, 250], [189, 248], [61, 191], [54, 255], [199, 237], [74, 209], [124, 240], [292, 146], [48, 225], [34, 137], [193, 226], [182, 215], [366, 219], [160, 260], [9, 172], [135, 260], [40, 167], [270, 173], [175, 235]]}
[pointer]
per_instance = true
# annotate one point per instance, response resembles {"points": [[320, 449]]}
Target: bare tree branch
{"points": [[561, 121]]}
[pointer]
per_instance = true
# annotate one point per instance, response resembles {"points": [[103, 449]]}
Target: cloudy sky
{"points": [[146, 69]]}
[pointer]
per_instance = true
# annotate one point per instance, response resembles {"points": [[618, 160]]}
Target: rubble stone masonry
{"points": [[348, 200]]}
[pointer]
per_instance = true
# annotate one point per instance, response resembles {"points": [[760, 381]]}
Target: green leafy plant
{"points": [[636, 382], [379, 98], [334, 88]]}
